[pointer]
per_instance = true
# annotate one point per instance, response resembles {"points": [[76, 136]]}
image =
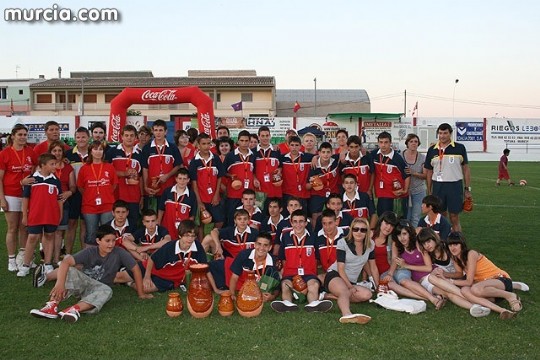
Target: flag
{"points": [[415, 109], [296, 106], [237, 106]]}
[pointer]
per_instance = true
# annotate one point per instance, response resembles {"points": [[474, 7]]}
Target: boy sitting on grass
{"points": [[98, 266]]}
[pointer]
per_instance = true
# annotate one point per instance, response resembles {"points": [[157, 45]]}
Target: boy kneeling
{"points": [[98, 265]]}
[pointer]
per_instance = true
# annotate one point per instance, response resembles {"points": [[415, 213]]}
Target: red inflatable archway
{"points": [[130, 96]]}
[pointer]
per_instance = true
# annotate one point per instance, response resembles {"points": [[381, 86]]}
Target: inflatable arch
{"points": [[149, 96]]}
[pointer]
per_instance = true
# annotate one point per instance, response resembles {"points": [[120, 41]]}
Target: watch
{"points": [[468, 188]]}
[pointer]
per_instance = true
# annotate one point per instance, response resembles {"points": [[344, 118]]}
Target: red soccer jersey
{"points": [[360, 169], [122, 161], [16, 165], [160, 160], [242, 168], [295, 175], [389, 174], [358, 206], [63, 175], [206, 174], [233, 241], [327, 248], [329, 176], [176, 207], [298, 253], [267, 161], [98, 181], [43, 194]]}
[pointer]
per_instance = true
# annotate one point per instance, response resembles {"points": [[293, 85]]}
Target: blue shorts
{"points": [[451, 195], [402, 274], [316, 204], [40, 229], [75, 204]]}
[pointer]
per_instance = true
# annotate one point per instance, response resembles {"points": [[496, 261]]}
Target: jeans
{"points": [[414, 208], [92, 222]]}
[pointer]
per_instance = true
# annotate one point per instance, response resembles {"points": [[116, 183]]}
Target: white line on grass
{"points": [[508, 206], [493, 180]]}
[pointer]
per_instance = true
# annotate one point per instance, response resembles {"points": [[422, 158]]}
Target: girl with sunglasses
{"points": [[352, 254], [484, 280]]}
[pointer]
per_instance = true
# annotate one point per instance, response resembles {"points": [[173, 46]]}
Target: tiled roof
{"points": [[89, 83], [335, 95], [114, 74]]}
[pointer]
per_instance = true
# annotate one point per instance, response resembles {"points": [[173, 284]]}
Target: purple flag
{"points": [[237, 106]]}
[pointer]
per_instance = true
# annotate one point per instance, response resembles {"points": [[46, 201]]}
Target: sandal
{"points": [[506, 314], [440, 303], [515, 305]]}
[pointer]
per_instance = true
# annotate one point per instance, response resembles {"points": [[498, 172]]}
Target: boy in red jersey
{"points": [[352, 162], [42, 194], [299, 256], [248, 204], [388, 177], [240, 167], [267, 164], [160, 161], [126, 159], [295, 172], [355, 202], [503, 169], [327, 239], [177, 203], [206, 172]]}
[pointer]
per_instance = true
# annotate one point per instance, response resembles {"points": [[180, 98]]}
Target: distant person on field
{"points": [[503, 169]]}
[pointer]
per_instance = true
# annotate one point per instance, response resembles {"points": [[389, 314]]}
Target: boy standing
{"points": [[354, 163], [126, 159], [503, 169], [267, 164], [177, 203], [98, 266], [299, 256], [296, 166], [41, 212]]}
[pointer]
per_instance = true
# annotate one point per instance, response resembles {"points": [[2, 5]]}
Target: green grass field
{"points": [[502, 226]]}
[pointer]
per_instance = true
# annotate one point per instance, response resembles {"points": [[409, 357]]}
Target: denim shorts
{"points": [[402, 274]]}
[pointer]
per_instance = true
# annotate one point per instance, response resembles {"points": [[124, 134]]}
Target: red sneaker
{"points": [[49, 311], [71, 314]]}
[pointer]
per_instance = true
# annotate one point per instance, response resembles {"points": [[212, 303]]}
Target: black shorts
{"points": [[507, 283], [330, 275]]}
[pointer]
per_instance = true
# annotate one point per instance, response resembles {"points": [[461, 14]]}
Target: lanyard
{"points": [[298, 246], [58, 172], [208, 168], [245, 161], [128, 160], [441, 157], [257, 265], [186, 261], [241, 239], [151, 240], [383, 163], [266, 158], [160, 153], [98, 176], [178, 200], [296, 166], [329, 245], [21, 160]]}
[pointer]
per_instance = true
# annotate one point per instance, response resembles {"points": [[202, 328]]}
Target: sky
{"points": [[385, 47]]}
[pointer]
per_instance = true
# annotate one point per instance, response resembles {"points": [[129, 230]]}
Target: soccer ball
{"points": [[522, 182]]}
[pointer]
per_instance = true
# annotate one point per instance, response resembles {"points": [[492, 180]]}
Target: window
{"points": [[90, 98], [44, 98], [21, 92], [62, 98], [109, 97], [3, 93], [218, 95], [247, 97]]}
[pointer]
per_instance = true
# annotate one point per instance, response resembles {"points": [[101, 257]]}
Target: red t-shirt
{"points": [[267, 161], [16, 165], [43, 147], [63, 175], [98, 181]]}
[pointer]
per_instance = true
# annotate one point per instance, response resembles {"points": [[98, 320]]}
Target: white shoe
{"points": [[319, 306], [48, 268], [12, 265], [479, 311], [23, 271], [518, 285], [283, 306]]}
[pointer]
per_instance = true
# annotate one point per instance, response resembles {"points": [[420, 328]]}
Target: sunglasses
{"points": [[357, 229]]}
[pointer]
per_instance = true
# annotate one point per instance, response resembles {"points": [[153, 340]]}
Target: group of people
{"points": [[144, 204]]}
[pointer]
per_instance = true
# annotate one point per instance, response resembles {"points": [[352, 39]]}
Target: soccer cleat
{"points": [[49, 311], [479, 311], [12, 265], [355, 319], [71, 314], [39, 277], [319, 306], [23, 271], [283, 306]]}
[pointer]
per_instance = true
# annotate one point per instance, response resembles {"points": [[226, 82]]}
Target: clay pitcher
{"points": [[249, 301], [200, 299], [174, 305], [225, 304]]}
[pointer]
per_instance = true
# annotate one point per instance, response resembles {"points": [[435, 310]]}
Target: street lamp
{"points": [[454, 98]]}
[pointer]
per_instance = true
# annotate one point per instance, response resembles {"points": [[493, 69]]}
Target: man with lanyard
{"points": [[267, 164], [160, 161], [388, 177], [126, 159], [295, 172], [299, 256], [447, 172]]}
